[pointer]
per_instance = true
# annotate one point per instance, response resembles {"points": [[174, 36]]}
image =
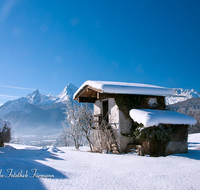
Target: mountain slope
{"points": [[37, 114], [189, 107]]}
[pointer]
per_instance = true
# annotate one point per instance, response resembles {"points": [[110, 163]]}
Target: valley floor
{"points": [[29, 167]]}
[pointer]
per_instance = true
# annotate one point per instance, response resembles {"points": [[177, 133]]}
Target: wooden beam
{"points": [[107, 95], [86, 89], [95, 89], [80, 92], [97, 95], [87, 99], [92, 93]]}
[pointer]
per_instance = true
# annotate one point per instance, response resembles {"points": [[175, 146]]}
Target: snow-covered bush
{"points": [[5, 132]]}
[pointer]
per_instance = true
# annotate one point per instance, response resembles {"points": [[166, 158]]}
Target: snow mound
{"points": [[150, 117]]}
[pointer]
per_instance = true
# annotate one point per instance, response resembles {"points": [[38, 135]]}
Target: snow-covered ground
{"points": [[84, 170]]}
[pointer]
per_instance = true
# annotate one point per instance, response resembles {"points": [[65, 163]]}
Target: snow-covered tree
{"points": [[79, 121], [5, 132]]}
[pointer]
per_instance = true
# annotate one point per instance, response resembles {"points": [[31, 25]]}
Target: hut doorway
{"points": [[105, 110]]}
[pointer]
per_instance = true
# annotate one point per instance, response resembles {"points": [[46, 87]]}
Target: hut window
{"points": [[152, 102]]}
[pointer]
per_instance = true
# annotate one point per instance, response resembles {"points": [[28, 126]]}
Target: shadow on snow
{"points": [[22, 160], [192, 153]]}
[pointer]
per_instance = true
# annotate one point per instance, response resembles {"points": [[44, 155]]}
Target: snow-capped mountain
{"points": [[37, 113], [189, 107], [38, 99], [67, 93], [181, 95], [187, 102]]}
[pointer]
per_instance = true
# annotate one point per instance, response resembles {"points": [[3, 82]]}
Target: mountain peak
{"points": [[70, 89], [67, 92], [181, 95], [34, 97]]}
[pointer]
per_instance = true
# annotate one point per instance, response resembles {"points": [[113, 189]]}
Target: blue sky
{"points": [[46, 44]]}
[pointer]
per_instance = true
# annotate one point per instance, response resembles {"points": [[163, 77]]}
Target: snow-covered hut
{"points": [[137, 116]]}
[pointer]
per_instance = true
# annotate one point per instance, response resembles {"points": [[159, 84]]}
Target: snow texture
{"points": [[127, 88], [150, 117], [3, 123], [82, 170]]}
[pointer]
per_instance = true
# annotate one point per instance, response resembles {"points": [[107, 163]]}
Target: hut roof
{"points": [[89, 88], [151, 117]]}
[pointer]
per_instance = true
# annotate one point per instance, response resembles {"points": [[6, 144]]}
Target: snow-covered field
{"points": [[64, 168]]}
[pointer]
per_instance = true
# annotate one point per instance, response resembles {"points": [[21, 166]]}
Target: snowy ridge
{"points": [[67, 93], [36, 98], [37, 113], [14, 106], [182, 95]]}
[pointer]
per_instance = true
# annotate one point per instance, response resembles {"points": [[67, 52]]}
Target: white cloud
{"points": [[21, 88], [3, 96]]}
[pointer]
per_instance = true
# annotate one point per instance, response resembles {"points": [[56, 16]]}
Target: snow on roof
{"points": [[150, 117], [2, 124], [126, 88]]}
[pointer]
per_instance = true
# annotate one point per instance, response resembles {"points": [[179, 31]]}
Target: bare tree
{"points": [[78, 118], [64, 139], [82, 125], [85, 114]]}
